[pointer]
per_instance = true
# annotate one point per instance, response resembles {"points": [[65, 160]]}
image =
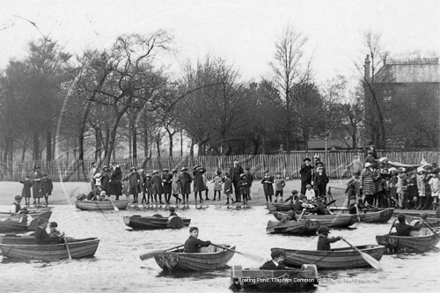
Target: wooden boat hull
{"points": [[339, 258], [279, 207], [105, 205], [152, 223], [396, 243], [335, 221], [307, 227], [17, 239], [369, 216], [79, 248], [179, 261], [292, 280]]}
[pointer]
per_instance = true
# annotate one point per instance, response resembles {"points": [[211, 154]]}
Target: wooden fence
{"points": [[336, 164]]}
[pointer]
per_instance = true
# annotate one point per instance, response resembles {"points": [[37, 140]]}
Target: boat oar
{"points": [[430, 228], [368, 258], [357, 213], [392, 226], [67, 246], [302, 213], [152, 253], [114, 206], [247, 255]]}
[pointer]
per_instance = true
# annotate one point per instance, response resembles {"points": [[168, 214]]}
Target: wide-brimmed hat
{"points": [[165, 170], [174, 171], [420, 169], [184, 169], [382, 159], [316, 156], [307, 159], [132, 168], [196, 167], [53, 224], [367, 164], [242, 175]]}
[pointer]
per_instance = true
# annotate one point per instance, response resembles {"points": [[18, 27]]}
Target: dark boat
{"points": [[279, 207], [292, 280], [22, 223], [338, 258], [101, 205], [78, 248], [333, 220], [155, 222], [209, 258], [303, 227], [395, 243], [368, 215]]}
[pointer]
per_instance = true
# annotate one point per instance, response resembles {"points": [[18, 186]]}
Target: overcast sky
{"points": [[242, 32]]}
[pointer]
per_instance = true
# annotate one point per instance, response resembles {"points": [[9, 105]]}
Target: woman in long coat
{"points": [[185, 184], [35, 177]]}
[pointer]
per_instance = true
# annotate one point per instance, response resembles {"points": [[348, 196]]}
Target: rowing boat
{"points": [[333, 220], [368, 215], [78, 248], [303, 227], [22, 223], [291, 280], [104, 205], [155, 222], [338, 258], [17, 239], [209, 258], [395, 243]]}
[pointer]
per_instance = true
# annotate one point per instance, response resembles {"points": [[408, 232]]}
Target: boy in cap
{"points": [[46, 188], [279, 187], [193, 244], [276, 263], [323, 240], [16, 207], [54, 232], [244, 187], [293, 197]]}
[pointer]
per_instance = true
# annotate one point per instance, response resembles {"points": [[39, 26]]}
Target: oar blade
{"points": [[372, 261], [150, 254]]}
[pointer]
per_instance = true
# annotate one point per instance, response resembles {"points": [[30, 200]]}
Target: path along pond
{"points": [[117, 267]]}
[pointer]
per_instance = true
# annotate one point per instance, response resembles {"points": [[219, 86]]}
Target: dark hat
{"points": [[196, 167], [172, 209], [174, 171], [307, 159], [370, 152], [132, 168], [319, 163], [323, 230], [18, 197], [294, 191], [192, 229], [53, 224], [276, 253]]}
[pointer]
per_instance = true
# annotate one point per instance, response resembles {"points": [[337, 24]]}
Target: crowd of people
{"points": [[160, 187], [36, 185], [382, 184]]}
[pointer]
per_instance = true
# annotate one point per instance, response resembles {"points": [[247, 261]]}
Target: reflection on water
{"points": [[117, 267]]}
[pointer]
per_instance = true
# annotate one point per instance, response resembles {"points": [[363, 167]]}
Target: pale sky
{"points": [[241, 31]]}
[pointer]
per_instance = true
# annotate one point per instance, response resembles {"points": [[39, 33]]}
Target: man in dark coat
{"points": [[306, 173], [133, 184], [41, 236], [35, 177], [199, 184], [235, 173], [193, 244], [46, 188], [185, 184], [115, 181], [250, 179], [157, 188], [277, 261], [167, 179]]}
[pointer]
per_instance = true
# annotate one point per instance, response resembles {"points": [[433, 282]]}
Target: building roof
{"points": [[409, 71]]}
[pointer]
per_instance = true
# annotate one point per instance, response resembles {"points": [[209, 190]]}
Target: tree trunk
{"points": [[158, 144], [171, 144], [191, 149], [36, 148], [48, 146], [145, 142], [181, 143], [134, 145], [23, 153]]}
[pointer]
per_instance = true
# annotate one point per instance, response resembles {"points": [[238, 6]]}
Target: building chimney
{"points": [[367, 68]]}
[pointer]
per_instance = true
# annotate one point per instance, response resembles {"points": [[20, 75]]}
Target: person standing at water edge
{"points": [[193, 244], [46, 188], [323, 240], [35, 177], [167, 179], [306, 175], [185, 184], [235, 173], [250, 179], [26, 192]]}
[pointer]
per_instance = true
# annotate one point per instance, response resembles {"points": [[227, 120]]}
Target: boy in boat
{"points": [[54, 232], [323, 240], [293, 197], [403, 229], [290, 216], [41, 236], [276, 263], [193, 244], [15, 206]]}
